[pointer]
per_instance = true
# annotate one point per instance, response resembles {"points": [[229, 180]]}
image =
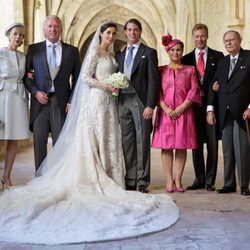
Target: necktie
{"points": [[52, 56], [201, 65], [129, 55], [232, 65]]}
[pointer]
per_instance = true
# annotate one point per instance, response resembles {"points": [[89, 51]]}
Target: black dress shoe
{"points": [[143, 189], [244, 191], [210, 187], [225, 190], [196, 185], [128, 187]]}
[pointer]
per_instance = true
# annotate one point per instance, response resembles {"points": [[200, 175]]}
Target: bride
{"points": [[79, 194]]}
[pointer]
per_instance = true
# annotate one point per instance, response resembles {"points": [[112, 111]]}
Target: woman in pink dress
{"points": [[174, 123]]}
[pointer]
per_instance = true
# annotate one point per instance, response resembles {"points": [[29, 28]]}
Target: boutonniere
{"points": [[143, 56], [213, 64], [242, 67]]}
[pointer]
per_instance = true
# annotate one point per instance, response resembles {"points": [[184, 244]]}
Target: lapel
{"points": [[63, 59], [138, 56], [44, 57], [122, 58], [209, 64], [224, 70], [238, 63], [193, 62]]}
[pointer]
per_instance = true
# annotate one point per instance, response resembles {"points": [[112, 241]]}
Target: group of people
{"points": [[84, 188], [50, 65], [224, 113]]}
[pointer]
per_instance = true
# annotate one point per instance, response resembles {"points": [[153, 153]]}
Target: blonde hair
{"points": [[52, 17]]}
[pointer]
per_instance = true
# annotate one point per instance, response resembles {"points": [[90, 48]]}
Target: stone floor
{"points": [[208, 220]]}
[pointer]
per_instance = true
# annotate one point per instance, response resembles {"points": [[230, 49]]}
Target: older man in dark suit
{"points": [[205, 61], [136, 105], [233, 77], [53, 63]]}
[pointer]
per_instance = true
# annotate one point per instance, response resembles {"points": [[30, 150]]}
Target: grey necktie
{"points": [[52, 56], [232, 65], [130, 55]]}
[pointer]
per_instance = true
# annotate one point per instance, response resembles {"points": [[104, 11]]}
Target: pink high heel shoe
{"points": [[180, 189], [169, 190]]}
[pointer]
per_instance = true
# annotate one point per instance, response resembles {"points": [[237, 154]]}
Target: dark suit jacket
{"points": [[235, 91], [144, 75], [213, 57], [37, 60]]}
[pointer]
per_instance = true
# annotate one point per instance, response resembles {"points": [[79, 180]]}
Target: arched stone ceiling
{"points": [[85, 16], [81, 18]]}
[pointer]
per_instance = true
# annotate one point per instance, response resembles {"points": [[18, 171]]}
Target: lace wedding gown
{"points": [[80, 196]]}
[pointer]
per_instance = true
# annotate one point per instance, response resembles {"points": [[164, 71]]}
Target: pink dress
{"points": [[180, 133]]}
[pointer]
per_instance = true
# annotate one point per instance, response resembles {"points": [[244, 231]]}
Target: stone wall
{"points": [[81, 17]]}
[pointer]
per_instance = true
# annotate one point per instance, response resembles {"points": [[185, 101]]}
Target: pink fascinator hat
{"points": [[169, 42]]}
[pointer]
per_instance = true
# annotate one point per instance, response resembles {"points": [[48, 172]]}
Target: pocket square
{"points": [[143, 57]]}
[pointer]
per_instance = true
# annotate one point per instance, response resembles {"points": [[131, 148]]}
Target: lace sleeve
{"points": [[89, 75]]}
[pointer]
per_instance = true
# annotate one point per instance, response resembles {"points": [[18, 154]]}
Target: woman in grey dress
{"points": [[14, 124]]}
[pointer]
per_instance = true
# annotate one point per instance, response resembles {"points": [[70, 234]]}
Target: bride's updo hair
{"points": [[105, 26]]}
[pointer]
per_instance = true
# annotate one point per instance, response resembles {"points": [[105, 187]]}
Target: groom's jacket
{"points": [[144, 75]]}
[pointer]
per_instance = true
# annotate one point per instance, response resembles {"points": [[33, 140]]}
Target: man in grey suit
{"points": [[136, 105], [233, 77], [52, 62]]}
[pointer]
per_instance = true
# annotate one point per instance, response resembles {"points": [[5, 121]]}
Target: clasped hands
{"points": [[175, 114]]}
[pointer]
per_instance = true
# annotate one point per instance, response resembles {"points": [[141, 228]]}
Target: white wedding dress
{"points": [[80, 194]]}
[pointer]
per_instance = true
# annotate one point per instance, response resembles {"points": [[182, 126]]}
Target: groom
{"points": [[136, 103]]}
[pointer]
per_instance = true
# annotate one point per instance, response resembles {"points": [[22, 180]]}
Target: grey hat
{"points": [[11, 26]]}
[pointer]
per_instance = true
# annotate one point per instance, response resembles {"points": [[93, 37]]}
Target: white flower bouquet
{"points": [[119, 81]]}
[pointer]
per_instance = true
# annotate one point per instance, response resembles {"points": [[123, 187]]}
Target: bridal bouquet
{"points": [[119, 81]]}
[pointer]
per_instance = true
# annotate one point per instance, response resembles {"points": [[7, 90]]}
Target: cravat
{"points": [[200, 65], [129, 55], [52, 56], [232, 65]]}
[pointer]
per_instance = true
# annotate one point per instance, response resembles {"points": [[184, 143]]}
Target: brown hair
{"points": [[134, 21], [200, 26], [106, 26]]}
